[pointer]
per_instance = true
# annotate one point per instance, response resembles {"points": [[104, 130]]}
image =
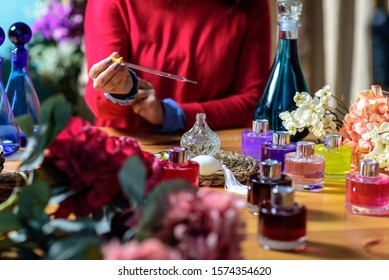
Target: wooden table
{"points": [[333, 233]]}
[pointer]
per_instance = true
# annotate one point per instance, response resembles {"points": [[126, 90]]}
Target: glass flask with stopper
{"points": [[200, 139], [20, 89], [9, 133], [286, 77]]}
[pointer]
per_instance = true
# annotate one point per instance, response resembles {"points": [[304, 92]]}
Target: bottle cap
{"points": [[369, 168], [270, 168], [282, 196], [178, 155], [305, 148], [260, 125], [332, 141], [281, 138], [200, 116]]}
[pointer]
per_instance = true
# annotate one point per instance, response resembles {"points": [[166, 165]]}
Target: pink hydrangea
{"points": [[150, 249], [204, 224], [371, 106]]}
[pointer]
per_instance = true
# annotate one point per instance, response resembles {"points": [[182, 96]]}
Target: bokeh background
{"points": [[344, 44]]}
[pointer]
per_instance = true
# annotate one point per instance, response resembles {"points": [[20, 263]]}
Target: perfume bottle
{"points": [[178, 166], [305, 168], [200, 139], [338, 157], [286, 77], [9, 132], [260, 184], [278, 148], [282, 222], [20, 89], [367, 191], [252, 140]]}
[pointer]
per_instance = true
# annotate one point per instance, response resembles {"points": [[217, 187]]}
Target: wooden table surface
{"points": [[332, 232]]}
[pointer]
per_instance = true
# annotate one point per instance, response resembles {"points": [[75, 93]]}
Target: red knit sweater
{"points": [[226, 50]]}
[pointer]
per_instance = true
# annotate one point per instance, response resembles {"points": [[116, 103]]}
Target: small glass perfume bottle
{"points": [[9, 132], [252, 140], [282, 222], [278, 148], [260, 184], [305, 168], [20, 89], [367, 191], [338, 157], [200, 139], [178, 166]]}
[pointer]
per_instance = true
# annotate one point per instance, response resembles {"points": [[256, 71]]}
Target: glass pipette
{"points": [[152, 71]]}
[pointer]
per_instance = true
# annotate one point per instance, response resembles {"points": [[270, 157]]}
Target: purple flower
{"points": [[61, 22]]}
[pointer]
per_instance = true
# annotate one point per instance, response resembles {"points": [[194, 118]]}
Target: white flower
{"points": [[301, 98], [317, 114]]}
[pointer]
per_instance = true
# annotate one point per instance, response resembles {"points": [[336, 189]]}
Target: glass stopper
{"points": [[19, 33]]}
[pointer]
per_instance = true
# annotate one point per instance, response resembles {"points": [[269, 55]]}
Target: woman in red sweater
{"points": [[224, 45]]}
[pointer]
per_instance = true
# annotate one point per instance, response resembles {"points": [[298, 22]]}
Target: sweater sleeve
{"points": [[105, 32], [237, 109]]}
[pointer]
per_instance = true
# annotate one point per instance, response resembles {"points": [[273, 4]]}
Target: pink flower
{"points": [[91, 160], [150, 249], [370, 107], [204, 224]]}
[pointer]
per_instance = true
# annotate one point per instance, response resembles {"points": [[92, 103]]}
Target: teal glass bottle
{"points": [[9, 133], [20, 89], [286, 77]]}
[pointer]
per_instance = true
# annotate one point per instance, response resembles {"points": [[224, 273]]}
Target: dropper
{"points": [[152, 71]]}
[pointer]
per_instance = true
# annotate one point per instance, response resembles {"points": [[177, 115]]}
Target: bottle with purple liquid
{"points": [[278, 148], [253, 139]]}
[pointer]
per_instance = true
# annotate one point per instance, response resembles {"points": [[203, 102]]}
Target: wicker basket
{"points": [[240, 165], [8, 182]]}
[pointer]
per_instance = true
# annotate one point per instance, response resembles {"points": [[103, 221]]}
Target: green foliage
{"points": [[132, 178], [55, 113]]}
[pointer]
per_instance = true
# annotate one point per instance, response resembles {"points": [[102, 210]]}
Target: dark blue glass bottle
{"points": [[286, 77], [20, 89], [9, 133]]}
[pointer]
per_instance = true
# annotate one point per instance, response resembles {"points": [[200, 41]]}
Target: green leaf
{"points": [[26, 124], [132, 177], [85, 226], [33, 200], [55, 113], [156, 206], [9, 222], [75, 248]]}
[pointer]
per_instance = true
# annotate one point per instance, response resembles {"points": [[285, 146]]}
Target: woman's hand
{"points": [[111, 77], [147, 105]]}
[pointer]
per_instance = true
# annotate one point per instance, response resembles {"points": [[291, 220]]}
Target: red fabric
{"points": [[224, 49]]}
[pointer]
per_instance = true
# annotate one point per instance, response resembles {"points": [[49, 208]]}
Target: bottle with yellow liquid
{"points": [[338, 157]]}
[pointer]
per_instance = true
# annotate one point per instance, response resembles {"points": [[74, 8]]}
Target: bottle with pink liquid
{"points": [[282, 222], [178, 166], [305, 167], [367, 191]]}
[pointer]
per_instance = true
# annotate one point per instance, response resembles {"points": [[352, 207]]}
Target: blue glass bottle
{"points": [[20, 89], [286, 77], [9, 133]]}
